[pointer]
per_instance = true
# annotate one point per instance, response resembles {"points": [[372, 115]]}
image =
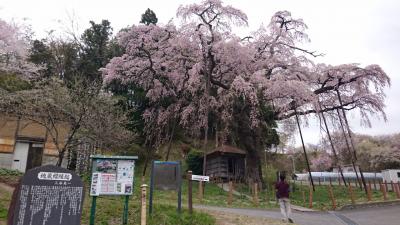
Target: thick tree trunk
{"points": [[247, 139]]}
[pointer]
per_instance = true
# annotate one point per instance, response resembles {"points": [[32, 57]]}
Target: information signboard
{"points": [[200, 178], [166, 175], [112, 175], [48, 195]]}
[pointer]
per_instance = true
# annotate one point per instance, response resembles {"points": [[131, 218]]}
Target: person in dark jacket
{"points": [[282, 193]]}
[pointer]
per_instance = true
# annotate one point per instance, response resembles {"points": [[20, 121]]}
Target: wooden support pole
{"points": [[375, 185], [310, 198], [332, 197], [304, 150], [351, 141], [332, 146], [230, 193], [383, 189], [200, 194], [255, 195], [353, 162], [369, 195], [397, 187], [143, 210], [190, 197], [386, 186], [351, 195]]}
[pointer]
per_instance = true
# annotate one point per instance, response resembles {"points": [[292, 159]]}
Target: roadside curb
{"points": [[302, 209], [369, 205]]}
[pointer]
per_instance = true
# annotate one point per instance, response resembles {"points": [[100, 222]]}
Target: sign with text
{"points": [[48, 195], [112, 175], [166, 175], [201, 178]]}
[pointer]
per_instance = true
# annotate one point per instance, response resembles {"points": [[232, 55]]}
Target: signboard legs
{"points": [[93, 210], [151, 188], [125, 214], [190, 203], [179, 188]]}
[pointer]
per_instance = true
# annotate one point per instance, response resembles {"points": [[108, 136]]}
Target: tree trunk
{"points": [[60, 158], [170, 140]]}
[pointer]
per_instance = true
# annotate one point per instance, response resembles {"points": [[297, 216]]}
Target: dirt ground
{"points": [[235, 219]]}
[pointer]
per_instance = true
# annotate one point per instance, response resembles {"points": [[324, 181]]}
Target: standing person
{"points": [[282, 193]]}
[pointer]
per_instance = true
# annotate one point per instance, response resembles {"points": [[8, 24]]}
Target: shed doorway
{"points": [[27, 155]]}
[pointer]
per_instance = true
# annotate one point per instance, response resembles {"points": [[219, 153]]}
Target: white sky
{"points": [[347, 31]]}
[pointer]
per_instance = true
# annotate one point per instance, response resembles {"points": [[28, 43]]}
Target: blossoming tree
{"points": [[204, 76]]}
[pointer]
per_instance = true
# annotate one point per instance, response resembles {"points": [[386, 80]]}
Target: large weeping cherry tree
{"points": [[201, 70]]}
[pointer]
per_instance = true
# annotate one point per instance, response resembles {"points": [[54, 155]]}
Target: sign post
{"points": [[190, 200], [195, 178], [112, 175], [166, 175]]}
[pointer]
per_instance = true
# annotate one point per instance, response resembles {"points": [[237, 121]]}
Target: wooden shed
{"points": [[226, 162]]}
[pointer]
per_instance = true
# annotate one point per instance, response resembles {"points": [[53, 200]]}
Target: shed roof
{"points": [[227, 149]]}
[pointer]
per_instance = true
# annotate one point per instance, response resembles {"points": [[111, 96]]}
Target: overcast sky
{"points": [[347, 31]]}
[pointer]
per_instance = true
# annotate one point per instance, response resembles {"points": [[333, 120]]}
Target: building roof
{"points": [[227, 149]]}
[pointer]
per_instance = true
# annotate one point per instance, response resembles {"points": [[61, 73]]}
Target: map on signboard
{"points": [[166, 175], [48, 195], [112, 177]]}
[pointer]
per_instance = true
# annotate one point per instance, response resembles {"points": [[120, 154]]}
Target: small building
{"points": [[25, 144], [391, 175], [226, 162], [346, 169]]}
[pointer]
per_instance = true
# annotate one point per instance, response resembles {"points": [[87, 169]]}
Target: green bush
{"points": [[194, 161], [8, 172]]}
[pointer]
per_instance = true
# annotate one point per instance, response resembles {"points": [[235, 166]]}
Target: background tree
{"points": [[149, 17]]}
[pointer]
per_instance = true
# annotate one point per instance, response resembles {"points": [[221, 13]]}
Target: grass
{"points": [[5, 198], [322, 201], [10, 177]]}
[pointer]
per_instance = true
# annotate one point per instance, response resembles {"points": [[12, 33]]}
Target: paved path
{"points": [[383, 215]]}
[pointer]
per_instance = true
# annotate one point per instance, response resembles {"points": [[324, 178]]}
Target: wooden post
{"points": [[310, 199], [391, 184], [230, 193], [332, 197], [143, 211], [351, 195], [375, 185], [386, 186], [369, 196], [255, 195], [396, 185], [200, 191], [383, 189], [319, 181], [304, 150], [190, 199]]}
